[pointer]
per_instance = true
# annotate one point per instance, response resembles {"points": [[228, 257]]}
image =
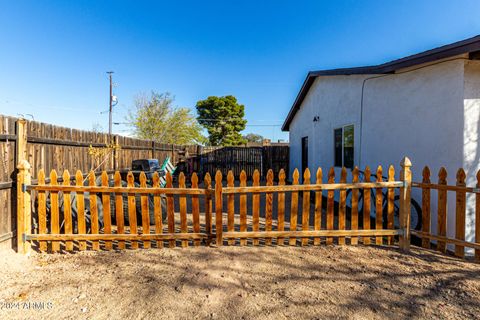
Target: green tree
{"points": [[223, 117], [155, 118], [253, 137]]}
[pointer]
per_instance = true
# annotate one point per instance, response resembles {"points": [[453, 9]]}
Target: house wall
{"points": [[418, 114], [428, 113], [336, 100]]}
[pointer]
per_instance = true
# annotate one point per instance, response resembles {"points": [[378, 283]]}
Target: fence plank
{"points": [[157, 208], [119, 216], [318, 207], [42, 210], [67, 210], [256, 206], [218, 208], [269, 207], [342, 207], [93, 210], [477, 218], [281, 207], [243, 207], [231, 206], [208, 207], [426, 195], [170, 210], [82, 245], [405, 204], [390, 204], [442, 210], [132, 210], [366, 205], [107, 218], [379, 206], [54, 212], [461, 198], [330, 204], [306, 206], [354, 205], [183, 209], [294, 208], [195, 209], [145, 210]]}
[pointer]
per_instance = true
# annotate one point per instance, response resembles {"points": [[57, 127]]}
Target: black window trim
{"points": [[343, 145]]}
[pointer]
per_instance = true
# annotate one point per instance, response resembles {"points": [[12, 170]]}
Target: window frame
{"points": [[343, 145]]}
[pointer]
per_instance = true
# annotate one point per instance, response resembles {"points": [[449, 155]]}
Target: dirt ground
{"points": [[240, 283]]}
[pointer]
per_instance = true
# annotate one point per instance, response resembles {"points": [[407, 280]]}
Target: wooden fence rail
{"points": [[461, 190], [104, 214]]}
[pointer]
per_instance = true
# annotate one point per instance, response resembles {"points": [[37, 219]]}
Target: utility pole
{"points": [[111, 105]]}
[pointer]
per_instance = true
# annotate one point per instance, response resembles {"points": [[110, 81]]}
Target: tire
{"points": [[415, 216]]}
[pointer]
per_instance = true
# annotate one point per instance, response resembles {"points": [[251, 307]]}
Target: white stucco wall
{"points": [[471, 150], [336, 100], [430, 115], [418, 114]]}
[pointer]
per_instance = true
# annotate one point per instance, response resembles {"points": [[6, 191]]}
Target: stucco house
{"points": [[425, 106]]}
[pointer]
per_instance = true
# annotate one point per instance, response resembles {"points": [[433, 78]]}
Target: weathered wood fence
{"points": [[439, 239], [226, 213], [49, 147]]}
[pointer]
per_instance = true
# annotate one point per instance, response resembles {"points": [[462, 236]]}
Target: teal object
{"points": [[167, 166]]}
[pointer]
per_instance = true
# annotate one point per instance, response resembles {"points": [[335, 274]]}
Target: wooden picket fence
{"points": [[461, 190], [255, 225]]}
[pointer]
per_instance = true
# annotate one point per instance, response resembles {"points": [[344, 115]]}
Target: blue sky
{"points": [[54, 54]]}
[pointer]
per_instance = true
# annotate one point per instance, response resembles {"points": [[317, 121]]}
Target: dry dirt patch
{"points": [[240, 282]]}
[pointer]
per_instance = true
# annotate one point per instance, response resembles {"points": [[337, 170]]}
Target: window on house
{"points": [[343, 141]]}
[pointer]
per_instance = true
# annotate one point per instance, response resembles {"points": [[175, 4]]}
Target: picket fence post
{"points": [[24, 220], [405, 196]]}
